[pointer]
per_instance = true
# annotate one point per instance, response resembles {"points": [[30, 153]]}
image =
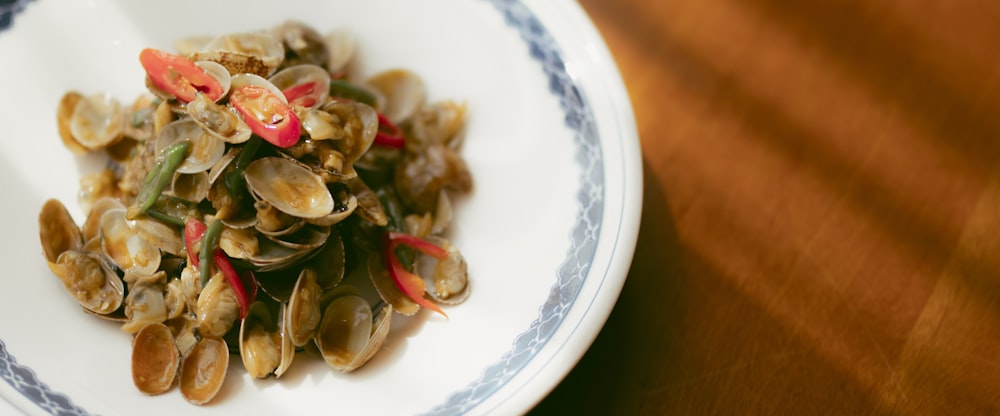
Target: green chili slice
{"points": [[164, 217], [236, 183], [159, 177], [345, 89], [394, 212], [208, 243]]}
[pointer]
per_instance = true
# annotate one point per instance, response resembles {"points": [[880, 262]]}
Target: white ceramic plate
{"points": [[549, 231]]}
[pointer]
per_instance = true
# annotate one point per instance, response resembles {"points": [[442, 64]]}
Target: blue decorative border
{"points": [[586, 230], [571, 274], [25, 381], [20, 377], [7, 10]]}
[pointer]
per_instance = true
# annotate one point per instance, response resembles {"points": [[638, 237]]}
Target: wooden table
{"points": [[821, 223]]}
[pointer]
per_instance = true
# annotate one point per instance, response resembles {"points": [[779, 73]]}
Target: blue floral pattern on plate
{"points": [[7, 10], [571, 274], [586, 229]]}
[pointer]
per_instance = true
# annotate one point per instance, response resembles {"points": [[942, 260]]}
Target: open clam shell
{"points": [[358, 129], [64, 116], [90, 280], [125, 246], [450, 276], [92, 225], [330, 262], [191, 187], [265, 346], [303, 44], [97, 121], [220, 121], [306, 238], [369, 206], [217, 309], [219, 73], [350, 334], [289, 186], [274, 222], [204, 370], [205, 151], [386, 287], [273, 256], [155, 359], [404, 93], [340, 45], [313, 81], [57, 230], [303, 314], [346, 204], [257, 53]]}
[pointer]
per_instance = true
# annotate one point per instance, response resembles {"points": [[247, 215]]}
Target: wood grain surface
{"points": [[821, 217]]}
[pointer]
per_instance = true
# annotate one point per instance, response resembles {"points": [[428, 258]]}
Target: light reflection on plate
{"points": [[548, 232]]}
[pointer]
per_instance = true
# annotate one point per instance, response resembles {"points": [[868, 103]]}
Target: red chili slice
{"points": [[420, 244], [194, 230], [410, 283], [268, 116], [243, 298], [305, 94], [389, 134], [178, 76]]}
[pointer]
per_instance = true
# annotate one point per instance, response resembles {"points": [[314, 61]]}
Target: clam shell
{"points": [[126, 247], [90, 281], [300, 75], [303, 42], [191, 187], [219, 72], [204, 370], [217, 308], [221, 121], [450, 277], [387, 289], [303, 314], [341, 45], [241, 80], [256, 53], [404, 93], [205, 151], [64, 116], [289, 187], [330, 262], [57, 230], [349, 335], [144, 305], [155, 359], [265, 347], [369, 206], [97, 121]]}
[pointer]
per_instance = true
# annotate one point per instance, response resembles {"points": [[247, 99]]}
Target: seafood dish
{"points": [[261, 200]]}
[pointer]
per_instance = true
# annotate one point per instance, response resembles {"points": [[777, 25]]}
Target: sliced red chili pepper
{"points": [[389, 134], [267, 115], [250, 284], [194, 230], [234, 280], [178, 76], [305, 94], [420, 244], [410, 283]]}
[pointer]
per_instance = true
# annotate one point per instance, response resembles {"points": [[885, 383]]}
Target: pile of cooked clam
{"points": [[262, 199]]}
